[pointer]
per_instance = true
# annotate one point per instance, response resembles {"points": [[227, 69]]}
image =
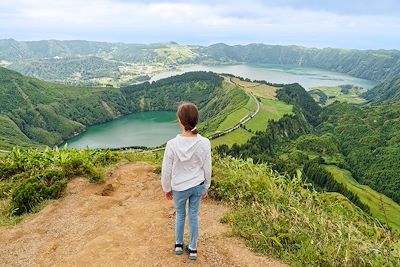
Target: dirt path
{"points": [[122, 222]]}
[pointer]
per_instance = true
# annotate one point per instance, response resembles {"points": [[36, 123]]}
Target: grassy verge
{"points": [[278, 216], [381, 207]]}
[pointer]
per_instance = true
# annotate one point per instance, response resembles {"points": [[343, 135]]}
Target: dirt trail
{"points": [[122, 222]]}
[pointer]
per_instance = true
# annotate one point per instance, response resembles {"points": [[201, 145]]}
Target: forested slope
{"points": [[362, 139], [388, 91], [368, 64], [39, 112]]}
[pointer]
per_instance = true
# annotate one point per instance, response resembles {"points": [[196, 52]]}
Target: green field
{"points": [[334, 93], [238, 136], [263, 90], [270, 110], [378, 203], [233, 118]]}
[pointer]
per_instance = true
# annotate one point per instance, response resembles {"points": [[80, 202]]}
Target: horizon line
{"points": [[202, 45]]}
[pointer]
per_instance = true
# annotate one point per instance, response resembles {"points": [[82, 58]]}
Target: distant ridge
{"points": [[376, 65]]}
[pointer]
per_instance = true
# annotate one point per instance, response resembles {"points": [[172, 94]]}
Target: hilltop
{"points": [[103, 222]]}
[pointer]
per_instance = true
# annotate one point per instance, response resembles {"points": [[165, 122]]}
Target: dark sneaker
{"points": [[192, 253], [178, 249]]}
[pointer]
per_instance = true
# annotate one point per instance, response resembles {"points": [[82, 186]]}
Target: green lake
{"points": [[139, 129]]}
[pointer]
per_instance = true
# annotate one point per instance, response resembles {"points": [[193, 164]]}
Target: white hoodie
{"points": [[186, 163]]}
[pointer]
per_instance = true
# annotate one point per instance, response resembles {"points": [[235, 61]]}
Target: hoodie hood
{"points": [[185, 147]]}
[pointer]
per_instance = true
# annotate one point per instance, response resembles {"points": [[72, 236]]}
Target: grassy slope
{"points": [[263, 90], [226, 102], [270, 110], [277, 216], [11, 135], [378, 203], [233, 118]]}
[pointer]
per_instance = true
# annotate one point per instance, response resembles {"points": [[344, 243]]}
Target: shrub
{"points": [[33, 191], [28, 177]]}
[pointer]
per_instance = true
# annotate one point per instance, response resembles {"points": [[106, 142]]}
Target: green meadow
{"points": [[381, 207]]}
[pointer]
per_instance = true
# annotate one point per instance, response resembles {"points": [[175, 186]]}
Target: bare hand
{"points": [[204, 197], [169, 195]]}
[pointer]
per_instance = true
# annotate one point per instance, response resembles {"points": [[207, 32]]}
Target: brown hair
{"points": [[188, 114]]}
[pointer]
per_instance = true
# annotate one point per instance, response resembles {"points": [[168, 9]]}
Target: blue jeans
{"points": [[194, 195]]}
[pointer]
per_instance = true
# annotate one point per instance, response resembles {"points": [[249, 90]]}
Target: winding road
{"points": [[242, 122]]}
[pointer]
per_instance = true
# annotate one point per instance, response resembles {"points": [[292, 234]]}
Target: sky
{"points": [[361, 24]]}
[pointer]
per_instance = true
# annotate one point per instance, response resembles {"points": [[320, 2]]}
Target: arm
{"points": [[166, 170], [207, 167]]}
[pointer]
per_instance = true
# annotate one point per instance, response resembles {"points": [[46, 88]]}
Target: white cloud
{"points": [[193, 22]]}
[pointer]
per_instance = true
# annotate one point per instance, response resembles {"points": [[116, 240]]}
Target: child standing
{"points": [[186, 175]]}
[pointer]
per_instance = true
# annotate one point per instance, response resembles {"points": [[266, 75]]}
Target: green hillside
{"points": [[381, 207], [251, 93], [92, 63], [37, 112], [388, 91], [360, 139]]}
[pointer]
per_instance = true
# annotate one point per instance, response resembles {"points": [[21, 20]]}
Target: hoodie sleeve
{"points": [[166, 170], [207, 166]]}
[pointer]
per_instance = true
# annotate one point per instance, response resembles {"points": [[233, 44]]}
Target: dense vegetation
{"points": [[369, 139], [278, 216], [37, 112], [388, 91], [362, 139], [29, 177], [324, 180], [82, 70]]}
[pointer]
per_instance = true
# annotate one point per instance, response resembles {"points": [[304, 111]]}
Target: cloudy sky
{"points": [[360, 24]]}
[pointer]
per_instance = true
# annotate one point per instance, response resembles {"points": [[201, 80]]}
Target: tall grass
{"points": [[283, 217], [30, 177]]}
